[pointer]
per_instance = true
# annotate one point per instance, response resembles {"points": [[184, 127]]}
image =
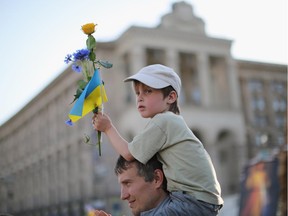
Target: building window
{"points": [[155, 56], [263, 140], [279, 96], [280, 140], [278, 87], [280, 121], [258, 103], [260, 139], [260, 120], [255, 85], [279, 105]]}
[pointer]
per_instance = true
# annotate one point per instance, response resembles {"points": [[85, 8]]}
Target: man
{"points": [[144, 188]]}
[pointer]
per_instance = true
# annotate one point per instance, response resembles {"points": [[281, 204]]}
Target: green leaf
{"points": [[81, 84], [92, 56], [77, 95], [91, 42], [105, 64], [78, 92], [86, 138], [89, 78]]}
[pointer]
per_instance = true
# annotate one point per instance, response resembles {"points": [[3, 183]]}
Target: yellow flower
{"points": [[91, 213], [89, 28]]}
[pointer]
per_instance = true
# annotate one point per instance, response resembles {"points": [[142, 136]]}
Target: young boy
{"points": [[186, 164]]}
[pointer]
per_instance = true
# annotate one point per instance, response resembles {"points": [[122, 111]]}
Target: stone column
{"points": [[172, 60], [234, 83], [137, 59], [204, 79]]}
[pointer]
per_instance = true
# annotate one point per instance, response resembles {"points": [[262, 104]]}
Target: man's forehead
{"points": [[128, 174]]}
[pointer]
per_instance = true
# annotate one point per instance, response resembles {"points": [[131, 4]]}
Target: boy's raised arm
{"points": [[102, 122]]}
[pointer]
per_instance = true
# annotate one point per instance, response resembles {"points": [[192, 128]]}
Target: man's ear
{"points": [[158, 177], [172, 97]]}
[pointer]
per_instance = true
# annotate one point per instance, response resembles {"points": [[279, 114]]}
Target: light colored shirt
{"points": [[186, 164]]}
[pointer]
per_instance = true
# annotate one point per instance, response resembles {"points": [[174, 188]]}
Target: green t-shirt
{"points": [[186, 164]]}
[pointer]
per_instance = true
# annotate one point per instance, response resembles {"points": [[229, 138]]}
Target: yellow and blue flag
{"points": [[93, 96]]}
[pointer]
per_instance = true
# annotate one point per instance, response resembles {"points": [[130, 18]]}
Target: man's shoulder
{"points": [[161, 209], [172, 205]]}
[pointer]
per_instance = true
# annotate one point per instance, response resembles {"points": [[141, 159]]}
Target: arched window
{"points": [[227, 165]]}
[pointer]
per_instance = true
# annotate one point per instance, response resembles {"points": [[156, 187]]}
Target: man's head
{"points": [[143, 186]]}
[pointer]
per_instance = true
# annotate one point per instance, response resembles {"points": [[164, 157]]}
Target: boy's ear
{"points": [[172, 97]]}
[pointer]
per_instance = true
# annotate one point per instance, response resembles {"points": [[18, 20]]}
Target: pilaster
{"points": [[204, 78]]}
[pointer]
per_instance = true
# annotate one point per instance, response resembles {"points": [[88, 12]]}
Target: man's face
{"points": [[141, 195]]}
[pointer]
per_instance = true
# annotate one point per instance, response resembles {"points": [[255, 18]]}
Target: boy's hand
{"points": [[101, 122]]}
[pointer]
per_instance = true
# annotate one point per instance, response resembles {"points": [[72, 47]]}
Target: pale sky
{"points": [[36, 35]]}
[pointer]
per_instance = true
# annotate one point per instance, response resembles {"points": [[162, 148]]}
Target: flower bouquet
{"points": [[90, 94]]}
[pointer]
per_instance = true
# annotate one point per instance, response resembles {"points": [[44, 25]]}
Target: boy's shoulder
{"points": [[167, 117]]}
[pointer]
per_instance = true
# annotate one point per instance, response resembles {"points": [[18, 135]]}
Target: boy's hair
{"points": [[174, 106], [144, 170]]}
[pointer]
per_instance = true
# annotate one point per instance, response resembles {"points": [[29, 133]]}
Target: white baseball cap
{"points": [[157, 76]]}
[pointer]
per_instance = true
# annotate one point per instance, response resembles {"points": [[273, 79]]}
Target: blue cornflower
{"points": [[68, 58], [69, 122], [76, 68], [81, 54]]}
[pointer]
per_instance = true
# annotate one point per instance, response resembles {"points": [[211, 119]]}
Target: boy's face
{"points": [[150, 101]]}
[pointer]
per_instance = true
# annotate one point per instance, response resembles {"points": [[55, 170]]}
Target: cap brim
{"points": [[157, 84]]}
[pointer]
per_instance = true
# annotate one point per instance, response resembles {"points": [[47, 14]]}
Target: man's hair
{"points": [[144, 170]]}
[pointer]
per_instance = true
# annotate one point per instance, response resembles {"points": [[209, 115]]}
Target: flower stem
{"points": [[96, 110], [98, 134], [99, 142]]}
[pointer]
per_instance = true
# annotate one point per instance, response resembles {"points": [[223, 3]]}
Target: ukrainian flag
{"points": [[93, 96]]}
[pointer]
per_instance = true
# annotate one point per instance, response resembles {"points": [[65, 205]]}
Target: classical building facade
{"points": [[264, 96], [47, 169]]}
